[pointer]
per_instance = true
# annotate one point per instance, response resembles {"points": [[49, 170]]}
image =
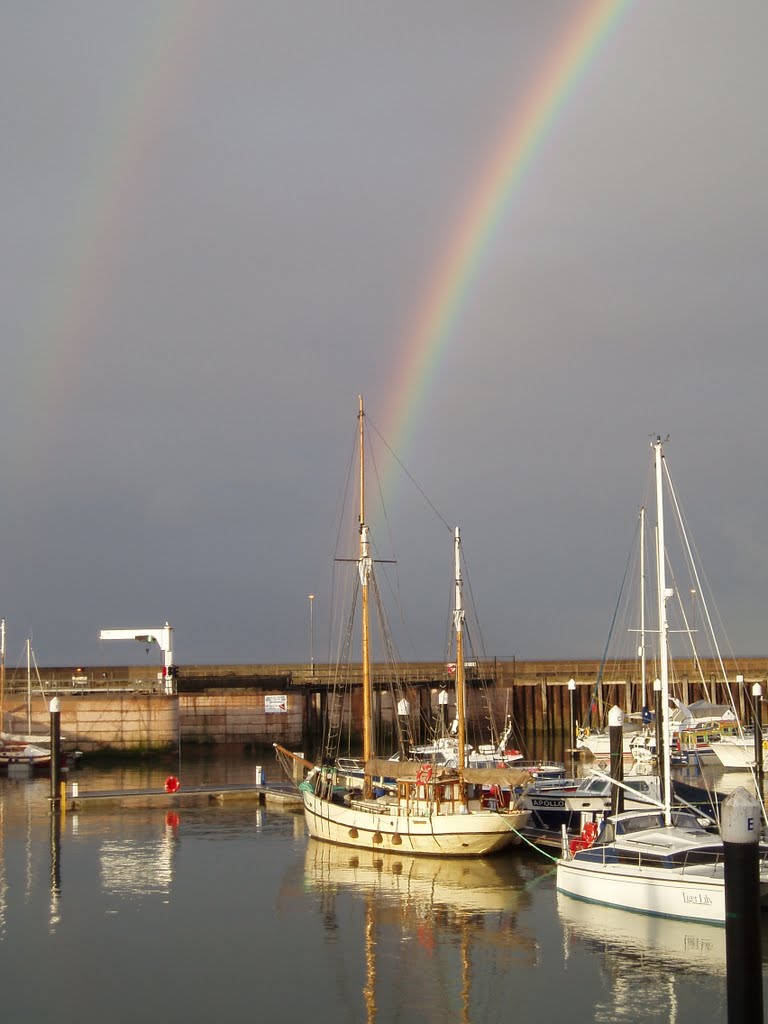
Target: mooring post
{"points": [[740, 830], [55, 710], [403, 716], [757, 722], [442, 702], [572, 733], [616, 741]]}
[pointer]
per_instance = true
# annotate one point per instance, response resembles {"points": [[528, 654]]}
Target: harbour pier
{"points": [[126, 708]]}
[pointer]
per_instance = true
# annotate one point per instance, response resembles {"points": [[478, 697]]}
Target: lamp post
{"points": [[571, 690], [661, 739], [312, 634], [757, 720]]}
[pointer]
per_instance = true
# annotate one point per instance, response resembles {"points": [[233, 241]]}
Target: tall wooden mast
{"points": [[364, 568], [643, 685]]}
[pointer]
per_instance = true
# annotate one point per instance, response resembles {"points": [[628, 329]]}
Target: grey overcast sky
{"points": [[219, 220]]}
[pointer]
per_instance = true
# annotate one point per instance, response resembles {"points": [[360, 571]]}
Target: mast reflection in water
{"points": [[429, 920], [127, 915]]}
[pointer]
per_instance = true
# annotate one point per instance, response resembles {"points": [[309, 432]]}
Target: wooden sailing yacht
{"points": [[437, 811]]}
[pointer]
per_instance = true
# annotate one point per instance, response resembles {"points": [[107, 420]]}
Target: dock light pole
{"points": [[312, 633], [757, 723], [660, 740], [616, 742], [571, 691], [740, 685]]}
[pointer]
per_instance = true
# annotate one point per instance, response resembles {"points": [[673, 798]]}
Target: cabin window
{"points": [[639, 823]]}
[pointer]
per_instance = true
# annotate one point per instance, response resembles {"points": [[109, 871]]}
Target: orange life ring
{"points": [[424, 774], [171, 784]]}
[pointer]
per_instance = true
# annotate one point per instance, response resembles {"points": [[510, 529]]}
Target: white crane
{"points": [[163, 637]]}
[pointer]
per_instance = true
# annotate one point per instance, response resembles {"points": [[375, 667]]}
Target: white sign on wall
{"points": [[275, 704]]}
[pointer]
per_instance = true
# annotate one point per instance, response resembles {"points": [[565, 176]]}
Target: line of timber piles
{"points": [[223, 703]]}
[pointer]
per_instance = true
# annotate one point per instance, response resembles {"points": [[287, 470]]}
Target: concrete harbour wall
{"points": [[141, 721], [125, 708], [117, 722]]}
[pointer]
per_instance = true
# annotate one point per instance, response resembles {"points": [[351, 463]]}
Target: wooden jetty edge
{"points": [[271, 795]]}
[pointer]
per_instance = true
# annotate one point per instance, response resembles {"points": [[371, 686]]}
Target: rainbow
{"points": [[433, 327], [133, 129]]}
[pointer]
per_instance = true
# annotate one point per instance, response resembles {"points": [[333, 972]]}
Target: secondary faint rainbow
{"points": [[87, 267], [532, 120]]}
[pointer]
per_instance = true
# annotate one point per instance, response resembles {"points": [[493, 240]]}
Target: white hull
{"points": [[735, 753], [370, 826], [665, 892]]}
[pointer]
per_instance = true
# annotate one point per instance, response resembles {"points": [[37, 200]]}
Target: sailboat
{"points": [[439, 811], [24, 749], [661, 862]]}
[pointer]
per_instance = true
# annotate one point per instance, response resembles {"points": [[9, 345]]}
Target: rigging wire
{"points": [[418, 487], [598, 681]]}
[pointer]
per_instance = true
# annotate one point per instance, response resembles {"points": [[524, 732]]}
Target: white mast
{"points": [[663, 630], [643, 703], [29, 685], [458, 622]]}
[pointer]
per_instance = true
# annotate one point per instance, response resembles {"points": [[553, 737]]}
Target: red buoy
{"points": [[171, 784]]}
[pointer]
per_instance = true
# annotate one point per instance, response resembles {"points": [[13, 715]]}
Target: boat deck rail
{"points": [[699, 862]]}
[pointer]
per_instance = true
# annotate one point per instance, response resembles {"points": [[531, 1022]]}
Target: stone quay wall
{"points": [[125, 708], [156, 722]]}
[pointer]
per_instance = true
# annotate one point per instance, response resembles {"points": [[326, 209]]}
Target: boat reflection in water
{"points": [[646, 959], [425, 920], [693, 946]]}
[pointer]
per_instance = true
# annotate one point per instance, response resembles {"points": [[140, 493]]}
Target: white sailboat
{"points": [[16, 748], [658, 861], [439, 811]]}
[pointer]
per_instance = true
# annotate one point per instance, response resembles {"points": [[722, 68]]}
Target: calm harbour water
{"points": [[224, 912]]}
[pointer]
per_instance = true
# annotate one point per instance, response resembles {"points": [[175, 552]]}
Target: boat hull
{"points": [[366, 826], [24, 754], [647, 890], [736, 754]]}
